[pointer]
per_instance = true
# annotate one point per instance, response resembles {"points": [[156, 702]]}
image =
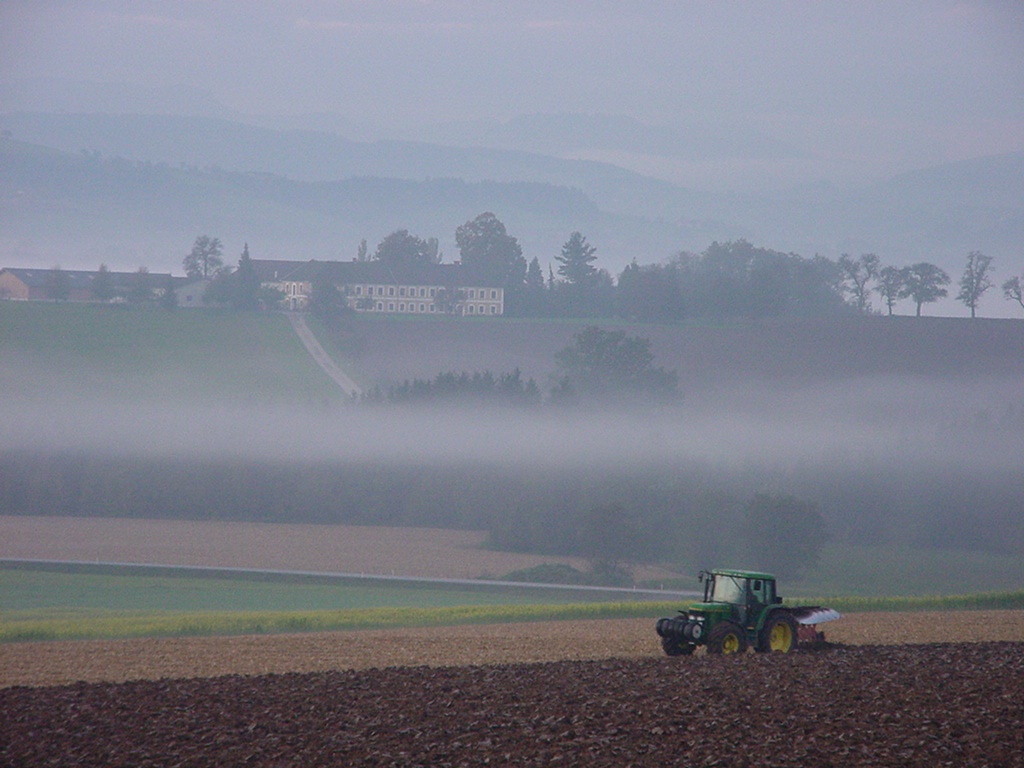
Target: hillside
{"points": [[853, 363], [210, 354], [206, 352], [706, 355], [82, 353]]}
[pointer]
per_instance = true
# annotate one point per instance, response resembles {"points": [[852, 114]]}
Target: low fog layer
{"points": [[917, 421]]}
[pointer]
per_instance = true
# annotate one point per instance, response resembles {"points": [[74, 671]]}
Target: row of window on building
{"points": [[421, 292], [468, 309]]}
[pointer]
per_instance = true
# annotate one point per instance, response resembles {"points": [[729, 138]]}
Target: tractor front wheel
{"points": [[727, 637], [778, 634]]}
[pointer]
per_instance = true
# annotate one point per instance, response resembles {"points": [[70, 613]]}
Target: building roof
{"points": [[268, 270], [78, 279], [372, 272]]}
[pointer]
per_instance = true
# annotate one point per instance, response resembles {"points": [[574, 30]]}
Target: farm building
{"points": [[29, 284], [373, 286]]}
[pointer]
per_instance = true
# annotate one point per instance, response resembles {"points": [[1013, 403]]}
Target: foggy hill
{"points": [[905, 430], [969, 365], [79, 210], [936, 214], [720, 363]]}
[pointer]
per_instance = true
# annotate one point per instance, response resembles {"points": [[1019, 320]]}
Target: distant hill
{"points": [[79, 210], [297, 193]]}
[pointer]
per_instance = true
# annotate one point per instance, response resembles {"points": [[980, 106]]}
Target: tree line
{"points": [[726, 280], [598, 367]]}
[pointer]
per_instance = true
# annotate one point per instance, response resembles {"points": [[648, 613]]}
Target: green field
{"points": [[75, 603], [63, 605], [190, 354]]}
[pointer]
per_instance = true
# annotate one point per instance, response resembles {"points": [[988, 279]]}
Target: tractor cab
{"points": [[740, 596]]}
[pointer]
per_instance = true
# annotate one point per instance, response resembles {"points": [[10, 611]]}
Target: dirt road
{"points": [[325, 361]]}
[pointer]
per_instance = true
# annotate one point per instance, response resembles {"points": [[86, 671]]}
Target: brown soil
{"points": [[61, 663], [904, 705]]}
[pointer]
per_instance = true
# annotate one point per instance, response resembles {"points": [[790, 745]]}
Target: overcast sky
{"points": [[841, 86]]}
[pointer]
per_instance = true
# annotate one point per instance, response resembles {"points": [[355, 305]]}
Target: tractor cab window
{"points": [[729, 589], [758, 591]]}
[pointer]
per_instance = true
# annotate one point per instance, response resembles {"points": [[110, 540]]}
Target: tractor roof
{"points": [[743, 574]]}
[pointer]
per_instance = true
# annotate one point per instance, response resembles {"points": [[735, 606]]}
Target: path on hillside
{"points": [[319, 354]]}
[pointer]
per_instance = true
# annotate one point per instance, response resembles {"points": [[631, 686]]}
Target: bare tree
{"points": [[856, 274], [205, 258], [975, 280], [1013, 290], [890, 286]]}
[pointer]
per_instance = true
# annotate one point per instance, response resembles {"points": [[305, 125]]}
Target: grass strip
{"points": [[25, 627], [29, 626]]}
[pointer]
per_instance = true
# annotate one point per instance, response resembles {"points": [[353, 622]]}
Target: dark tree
{"points": [[606, 364], [576, 262], [58, 284], [485, 244], [1013, 290], [650, 293], [783, 535], [856, 274], [890, 286], [534, 292], [204, 260], [975, 280], [102, 285], [738, 279], [450, 300], [402, 249], [270, 298], [923, 283], [326, 301], [245, 288]]}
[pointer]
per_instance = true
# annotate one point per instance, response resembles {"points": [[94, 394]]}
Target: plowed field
{"points": [[907, 705]]}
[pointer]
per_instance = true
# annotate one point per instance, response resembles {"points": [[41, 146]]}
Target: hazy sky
{"points": [[838, 87]]}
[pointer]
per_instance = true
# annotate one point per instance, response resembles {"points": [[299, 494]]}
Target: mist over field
{"points": [[913, 422], [896, 434]]}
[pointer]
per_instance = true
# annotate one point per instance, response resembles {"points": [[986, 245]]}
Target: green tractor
{"points": [[741, 610]]}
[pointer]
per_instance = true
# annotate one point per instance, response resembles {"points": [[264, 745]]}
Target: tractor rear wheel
{"points": [[727, 637], [673, 646], [778, 634]]}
